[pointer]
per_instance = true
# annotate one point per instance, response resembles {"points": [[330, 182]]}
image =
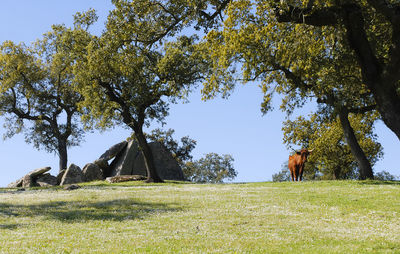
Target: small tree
{"points": [[213, 168], [385, 176], [283, 175], [36, 95]]}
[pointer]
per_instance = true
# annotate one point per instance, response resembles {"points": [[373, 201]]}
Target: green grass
{"points": [[307, 217]]}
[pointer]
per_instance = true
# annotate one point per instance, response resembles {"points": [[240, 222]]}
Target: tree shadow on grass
{"points": [[10, 226], [114, 210]]}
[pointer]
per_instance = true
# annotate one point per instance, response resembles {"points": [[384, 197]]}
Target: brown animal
{"points": [[296, 164]]}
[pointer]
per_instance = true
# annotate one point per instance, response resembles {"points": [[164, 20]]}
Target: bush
{"points": [[213, 168], [384, 176]]}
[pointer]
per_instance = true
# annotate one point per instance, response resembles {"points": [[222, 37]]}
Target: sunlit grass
{"points": [[308, 217]]}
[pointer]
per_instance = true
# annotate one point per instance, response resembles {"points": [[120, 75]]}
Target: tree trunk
{"points": [[388, 105], [378, 78], [356, 150], [152, 175], [62, 154]]}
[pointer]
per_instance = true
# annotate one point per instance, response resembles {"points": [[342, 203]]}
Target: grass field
{"points": [[307, 217]]}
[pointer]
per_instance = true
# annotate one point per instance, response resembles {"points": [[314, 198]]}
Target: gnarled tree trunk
{"points": [[356, 150], [152, 175]]}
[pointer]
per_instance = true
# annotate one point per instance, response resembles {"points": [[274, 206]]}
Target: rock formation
{"points": [[72, 175], [130, 161], [92, 172], [30, 179], [127, 165], [46, 180]]}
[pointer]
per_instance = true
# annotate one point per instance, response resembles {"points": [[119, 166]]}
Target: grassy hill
{"points": [[307, 217]]}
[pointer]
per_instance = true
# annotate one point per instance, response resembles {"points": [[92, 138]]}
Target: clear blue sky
{"points": [[234, 126]]}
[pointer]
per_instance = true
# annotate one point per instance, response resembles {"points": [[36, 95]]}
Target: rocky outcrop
{"points": [[167, 167], [72, 175], [113, 151], [124, 162], [29, 180], [16, 184], [35, 178], [125, 178], [92, 172], [130, 161], [127, 165], [46, 180], [102, 163], [60, 176]]}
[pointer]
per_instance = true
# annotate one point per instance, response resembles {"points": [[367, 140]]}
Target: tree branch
{"points": [[327, 16]]}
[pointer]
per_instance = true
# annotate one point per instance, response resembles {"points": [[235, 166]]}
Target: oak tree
{"points": [[127, 78], [36, 95]]}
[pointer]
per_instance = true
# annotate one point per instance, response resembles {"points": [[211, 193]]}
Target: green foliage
{"points": [[124, 80], [292, 59], [385, 176], [283, 175], [181, 152], [332, 158], [213, 168]]}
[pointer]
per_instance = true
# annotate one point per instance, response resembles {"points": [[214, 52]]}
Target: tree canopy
{"points": [[297, 50]]}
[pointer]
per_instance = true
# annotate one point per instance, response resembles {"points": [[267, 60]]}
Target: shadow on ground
{"points": [[115, 210]]}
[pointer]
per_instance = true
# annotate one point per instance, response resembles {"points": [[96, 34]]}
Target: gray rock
{"points": [[16, 184], [167, 167], [125, 178], [72, 175], [130, 162], [92, 172], [124, 161], [102, 163], [60, 176], [29, 180], [113, 151], [46, 180]]}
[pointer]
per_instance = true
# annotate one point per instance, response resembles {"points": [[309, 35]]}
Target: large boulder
{"points": [[72, 175], [102, 163], [130, 161], [113, 151], [60, 176], [46, 180], [29, 180], [92, 172], [16, 184], [123, 163]]}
